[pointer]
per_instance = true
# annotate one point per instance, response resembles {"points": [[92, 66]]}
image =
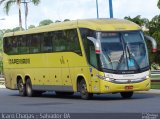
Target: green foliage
{"points": [[1, 37], [155, 66], [158, 4], [154, 31], [8, 30], [45, 22], [36, 2], [17, 29], [9, 3], [31, 26], [154, 25], [66, 20], [57, 21], [138, 20]]}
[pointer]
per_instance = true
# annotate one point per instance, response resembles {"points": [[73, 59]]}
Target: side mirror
{"points": [[154, 43], [96, 44]]}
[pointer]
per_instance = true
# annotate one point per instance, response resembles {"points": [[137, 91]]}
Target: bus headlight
{"points": [[147, 77], [104, 78]]}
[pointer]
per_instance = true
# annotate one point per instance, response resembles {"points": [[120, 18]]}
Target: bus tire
{"points": [[38, 93], [21, 88], [64, 93], [126, 95], [83, 90], [30, 92]]}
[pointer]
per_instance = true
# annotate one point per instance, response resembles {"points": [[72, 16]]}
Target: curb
{"points": [[2, 86], [151, 91]]}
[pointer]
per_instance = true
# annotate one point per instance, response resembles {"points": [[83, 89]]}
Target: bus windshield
{"points": [[125, 51]]}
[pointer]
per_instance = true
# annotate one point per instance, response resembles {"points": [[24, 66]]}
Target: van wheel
{"points": [[83, 90], [30, 92], [21, 88], [126, 95]]}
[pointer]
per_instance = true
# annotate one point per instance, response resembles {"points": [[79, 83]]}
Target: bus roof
{"points": [[94, 24]]}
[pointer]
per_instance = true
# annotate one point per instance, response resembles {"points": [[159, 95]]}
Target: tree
{"points": [[35, 2], [57, 21], [154, 31], [8, 30], [66, 20], [154, 24], [158, 4], [138, 20], [1, 34], [17, 29], [45, 22], [9, 3], [31, 26]]}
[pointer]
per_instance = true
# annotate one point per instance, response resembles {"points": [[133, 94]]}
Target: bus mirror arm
{"points": [[96, 44], [153, 41]]}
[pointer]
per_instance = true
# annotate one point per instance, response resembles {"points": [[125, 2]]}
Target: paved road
{"points": [[10, 101]]}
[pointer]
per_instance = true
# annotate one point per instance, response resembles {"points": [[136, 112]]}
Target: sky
{"points": [[78, 9]]}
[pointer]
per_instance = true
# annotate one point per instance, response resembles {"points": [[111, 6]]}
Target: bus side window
{"points": [[7, 45], [46, 43], [62, 39], [54, 41], [72, 41], [89, 46], [58, 40], [14, 45], [35, 44], [22, 45]]}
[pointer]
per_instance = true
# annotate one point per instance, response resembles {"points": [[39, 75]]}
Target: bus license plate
{"points": [[128, 87]]}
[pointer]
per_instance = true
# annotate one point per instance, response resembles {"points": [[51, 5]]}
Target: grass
{"points": [[155, 85], [155, 76]]}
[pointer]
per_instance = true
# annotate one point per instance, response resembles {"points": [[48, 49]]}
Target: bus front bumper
{"points": [[109, 87]]}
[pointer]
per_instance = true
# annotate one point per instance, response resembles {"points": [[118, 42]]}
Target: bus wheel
{"points": [[126, 95], [69, 93], [21, 88], [83, 90], [38, 93], [29, 90], [64, 93]]}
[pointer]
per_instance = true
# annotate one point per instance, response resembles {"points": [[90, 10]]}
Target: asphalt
{"points": [[10, 101], [2, 86], [151, 91]]}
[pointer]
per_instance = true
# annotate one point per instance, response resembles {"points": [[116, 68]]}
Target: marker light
{"points": [[154, 50], [98, 51]]}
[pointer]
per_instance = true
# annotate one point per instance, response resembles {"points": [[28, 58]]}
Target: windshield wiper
{"points": [[131, 56]]}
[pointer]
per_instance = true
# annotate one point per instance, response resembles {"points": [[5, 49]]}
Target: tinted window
{"points": [[73, 41], [22, 45], [10, 45], [56, 41], [89, 46], [46, 43], [35, 43]]}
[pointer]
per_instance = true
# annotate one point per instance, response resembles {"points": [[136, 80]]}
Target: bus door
{"points": [[66, 78], [92, 57]]}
